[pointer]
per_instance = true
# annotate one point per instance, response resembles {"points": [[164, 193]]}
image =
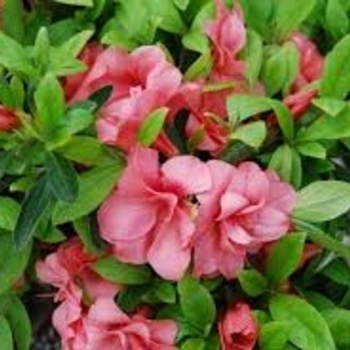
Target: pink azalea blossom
{"points": [[67, 319], [107, 327], [80, 86], [228, 35], [148, 217], [238, 330], [299, 102], [69, 269], [245, 208], [311, 61], [143, 81], [311, 64]]}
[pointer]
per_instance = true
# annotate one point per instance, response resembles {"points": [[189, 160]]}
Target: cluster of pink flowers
{"points": [[181, 215], [218, 212]]}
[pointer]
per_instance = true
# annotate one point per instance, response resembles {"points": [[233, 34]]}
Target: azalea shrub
{"points": [[175, 174]]}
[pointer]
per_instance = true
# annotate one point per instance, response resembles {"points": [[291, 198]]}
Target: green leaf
{"points": [[49, 101], [337, 22], [257, 15], [286, 163], [285, 257], [77, 120], [252, 282], [329, 105], [252, 134], [338, 321], [61, 177], [152, 126], [5, 334], [312, 149], [75, 45], [253, 54], [284, 119], [13, 262], [90, 196], [196, 40], [9, 211], [33, 208], [241, 107], [193, 344], [327, 128], [197, 305], [160, 292], [199, 68], [308, 329], [322, 201], [85, 150], [85, 230], [280, 68], [41, 50], [182, 4], [119, 272], [290, 14], [12, 19], [335, 80], [338, 271], [14, 57], [88, 3], [16, 314], [274, 335], [323, 239]]}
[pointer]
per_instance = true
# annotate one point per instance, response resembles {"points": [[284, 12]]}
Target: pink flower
{"points": [[238, 330], [80, 86], [311, 61], [70, 267], [148, 217], [67, 319], [8, 120], [143, 81], [245, 207], [299, 102], [228, 35], [108, 328]]}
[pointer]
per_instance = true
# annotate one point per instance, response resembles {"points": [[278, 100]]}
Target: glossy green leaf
{"points": [[33, 208], [14, 57], [327, 128], [252, 134], [90, 195], [312, 149], [322, 201], [274, 335], [49, 101], [9, 211], [337, 21], [16, 314], [13, 262], [336, 74], [61, 177], [193, 344], [6, 340], [119, 272], [197, 305], [241, 107], [338, 321], [285, 257], [290, 14], [252, 282], [152, 126], [12, 19], [85, 150]]}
